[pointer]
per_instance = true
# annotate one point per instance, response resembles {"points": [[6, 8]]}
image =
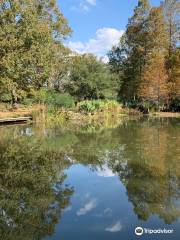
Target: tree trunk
{"points": [[14, 98]]}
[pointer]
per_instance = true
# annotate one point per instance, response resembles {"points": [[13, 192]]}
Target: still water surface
{"points": [[90, 183]]}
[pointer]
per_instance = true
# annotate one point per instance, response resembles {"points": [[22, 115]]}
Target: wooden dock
{"points": [[15, 120]]}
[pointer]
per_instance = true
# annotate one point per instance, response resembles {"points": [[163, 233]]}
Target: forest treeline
{"points": [[148, 56], [35, 61]]}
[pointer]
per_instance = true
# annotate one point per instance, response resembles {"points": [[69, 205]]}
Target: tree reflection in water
{"points": [[143, 153], [30, 203], [149, 168]]}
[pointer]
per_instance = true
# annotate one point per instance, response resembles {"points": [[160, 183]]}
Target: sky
{"points": [[97, 24]]}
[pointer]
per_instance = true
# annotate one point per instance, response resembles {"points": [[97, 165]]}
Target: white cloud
{"points": [[87, 207], [104, 59], [108, 212], [84, 5], [105, 172], [103, 41], [115, 228], [92, 2]]}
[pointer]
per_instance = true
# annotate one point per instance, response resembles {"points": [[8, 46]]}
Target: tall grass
{"points": [[50, 116]]}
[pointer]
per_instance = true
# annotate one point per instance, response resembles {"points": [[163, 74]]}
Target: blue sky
{"points": [[97, 24]]}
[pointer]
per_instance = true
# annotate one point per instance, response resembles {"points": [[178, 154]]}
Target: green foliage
{"points": [[91, 79], [146, 106], [147, 56], [54, 99], [31, 34], [61, 100], [5, 97], [36, 66], [98, 105], [87, 106], [175, 105], [27, 101]]}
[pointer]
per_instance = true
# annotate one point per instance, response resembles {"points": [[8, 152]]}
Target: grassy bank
{"points": [[106, 112], [85, 111], [6, 111]]}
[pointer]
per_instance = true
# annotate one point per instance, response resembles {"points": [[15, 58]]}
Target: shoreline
{"points": [[75, 116]]}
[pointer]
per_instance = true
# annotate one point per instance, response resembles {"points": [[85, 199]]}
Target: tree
{"points": [[29, 31], [147, 56], [136, 43], [153, 87], [153, 84], [128, 58], [171, 12], [90, 78], [175, 74]]}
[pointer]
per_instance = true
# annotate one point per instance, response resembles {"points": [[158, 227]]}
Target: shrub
{"points": [[63, 100], [27, 101], [5, 97], [54, 99], [175, 105], [87, 106], [98, 105]]}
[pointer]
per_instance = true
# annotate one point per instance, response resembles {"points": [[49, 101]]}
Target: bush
{"points": [[146, 106], [87, 106], [175, 105], [54, 99], [5, 97], [63, 100], [27, 101], [98, 105]]}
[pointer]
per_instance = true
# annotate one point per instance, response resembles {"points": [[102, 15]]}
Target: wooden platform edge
{"points": [[14, 120]]}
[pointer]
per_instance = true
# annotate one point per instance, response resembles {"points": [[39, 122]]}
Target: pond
{"points": [[91, 183]]}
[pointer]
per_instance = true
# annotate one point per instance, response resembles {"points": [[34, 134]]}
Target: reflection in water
{"points": [[30, 202], [144, 154], [150, 170]]}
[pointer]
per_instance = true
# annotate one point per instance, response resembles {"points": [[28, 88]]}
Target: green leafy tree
{"points": [[147, 56], [91, 79], [136, 42], [30, 34], [129, 56]]}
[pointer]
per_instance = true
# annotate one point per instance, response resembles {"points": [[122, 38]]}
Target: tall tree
{"points": [[153, 84], [28, 32], [153, 87], [136, 42], [172, 17], [129, 56]]}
